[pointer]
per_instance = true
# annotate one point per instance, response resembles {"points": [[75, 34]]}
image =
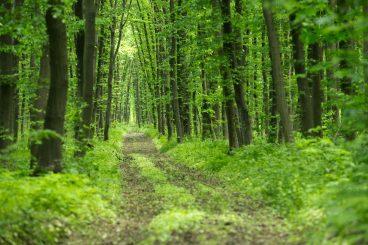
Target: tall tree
{"points": [[345, 46], [238, 65], [316, 77], [79, 49], [49, 155], [173, 75], [183, 82], [228, 49], [37, 113], [113, 54], [365, 45], [89, 66], [305, 101], [277, 72], [8, 71]]}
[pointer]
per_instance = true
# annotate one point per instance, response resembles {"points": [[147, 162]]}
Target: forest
{"points": [[184, 122]]}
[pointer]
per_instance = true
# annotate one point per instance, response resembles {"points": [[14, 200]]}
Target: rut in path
{"points": [[165, 202]]}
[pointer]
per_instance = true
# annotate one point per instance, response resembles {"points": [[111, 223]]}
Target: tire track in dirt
{"points": [[140, 205], [209, 192]]}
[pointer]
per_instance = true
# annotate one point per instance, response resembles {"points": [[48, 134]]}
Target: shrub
{"points": [[43, 210]]}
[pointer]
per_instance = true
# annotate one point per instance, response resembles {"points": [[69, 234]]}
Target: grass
{"points": [[184, 216], [318, 186]]}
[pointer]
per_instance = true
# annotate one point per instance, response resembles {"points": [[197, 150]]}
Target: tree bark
{"points": [[238, 63], [305, 102], [37, 112], [365, 47], [173, 77], [8, 69], [113, 55], [50, 151], [228, 50], [277, 76], [89, 69], [79, 49], [316, 77], [183, 82], [345, 46]]}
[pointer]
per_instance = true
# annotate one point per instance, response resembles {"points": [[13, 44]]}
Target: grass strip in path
{"points": [[185, 221]]}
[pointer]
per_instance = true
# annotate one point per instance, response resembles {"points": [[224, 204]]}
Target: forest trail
{"points": [[165, 202]]}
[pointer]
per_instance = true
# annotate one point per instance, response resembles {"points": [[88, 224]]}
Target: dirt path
{"points": [[165, 202]]}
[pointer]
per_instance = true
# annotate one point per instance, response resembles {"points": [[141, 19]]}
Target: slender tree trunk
{"points": [[228, 48], [79, 49], [277, 76], [8, 67], [330, 73], [266, 89], [344, 7], [173, 77], [39, 104], [99, 87], [305, 102], [316, 77], [238, 66], [365, 47], [206, 116], [110, 80], [89, 68], [137, 102], [183, 82], [113, 55], [50, 151]]}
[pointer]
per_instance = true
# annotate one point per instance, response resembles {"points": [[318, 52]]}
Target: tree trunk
{"points": [[79, 49], [316, 77], [277, 76], [345, 46], [50, 151], [8, 67], [238, 64], [183, 81], [89, 69], [173, 82], [109, 81], [365, 47], [39, 104], [228, 49], [305, 102], [113, 55]]}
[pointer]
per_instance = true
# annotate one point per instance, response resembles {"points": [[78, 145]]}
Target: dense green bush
{"points": [[47, 209], [320, 187], [44, 209], [101, 164]]}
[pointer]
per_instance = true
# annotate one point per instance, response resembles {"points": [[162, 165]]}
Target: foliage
{"points": [[100, 165], [44, 210], [315, 184]]}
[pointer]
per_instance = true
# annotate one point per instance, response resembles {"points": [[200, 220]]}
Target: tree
{"points": [[113, 54], [8, 71], [49, 156], [37, 113], [305, 100], [173, 76], [277, 75], [238, 65], [228, 47], [89, 68]]}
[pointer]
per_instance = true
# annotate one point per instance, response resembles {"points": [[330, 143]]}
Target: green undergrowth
{"points": [[320, 187], [50, 208]]}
